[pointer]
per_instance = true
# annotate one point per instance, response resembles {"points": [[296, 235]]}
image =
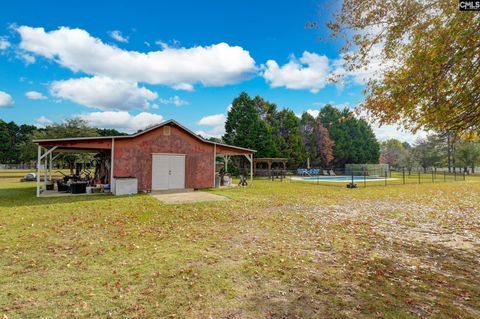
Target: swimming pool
{"points": [[344, 178]]}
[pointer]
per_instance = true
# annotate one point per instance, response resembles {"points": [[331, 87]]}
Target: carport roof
{"points": [[74, 139]]}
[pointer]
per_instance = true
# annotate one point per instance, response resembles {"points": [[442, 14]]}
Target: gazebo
{"points": [[270, 162]]}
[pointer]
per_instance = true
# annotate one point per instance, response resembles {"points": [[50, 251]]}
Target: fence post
{"points": [[464, 176], [404, 176], [419, 177], [433, 181], [364, 179], [455, 174], [352, 178], [444, 176], [386, 174]]}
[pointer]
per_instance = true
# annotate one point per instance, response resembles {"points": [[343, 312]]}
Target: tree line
{"points": [[332, 139], [16, 141], [431, 152]]}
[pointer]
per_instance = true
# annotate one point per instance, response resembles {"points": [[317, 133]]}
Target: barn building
{"points": [[165, 156]]}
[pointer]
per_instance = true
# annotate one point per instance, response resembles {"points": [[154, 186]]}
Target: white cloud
{"points": [[163, 44], [27, 58], [4, 44], [339, 106], [320, 105], [314, 72], [34, 95], [229, 107], [183, 86], [175, 100], [121, 120], [216, 123], [5, 100], [374, 70], [385, 132], [213, 120], [117, 35], [310, 72], [180, 68], [43, 121], [210, 133], [103, 93], [313, 113]]}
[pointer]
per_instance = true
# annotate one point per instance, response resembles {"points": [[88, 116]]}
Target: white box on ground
{"points": [[125, 185]]}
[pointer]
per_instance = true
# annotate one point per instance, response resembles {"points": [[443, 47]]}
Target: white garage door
{"points": [[168, 171]]}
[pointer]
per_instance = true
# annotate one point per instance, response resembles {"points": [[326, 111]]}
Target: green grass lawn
{"points": [[19, 173], [277, 250]]}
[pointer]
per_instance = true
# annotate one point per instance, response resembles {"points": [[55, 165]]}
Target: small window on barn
{"points": [[166, 130]]}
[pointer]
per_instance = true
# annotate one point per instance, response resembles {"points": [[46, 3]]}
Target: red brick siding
{"points": [[133, 157]]}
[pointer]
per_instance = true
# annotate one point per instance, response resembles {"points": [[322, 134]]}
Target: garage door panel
{"points": [[159, 172], [168, 171], [177, 172]]}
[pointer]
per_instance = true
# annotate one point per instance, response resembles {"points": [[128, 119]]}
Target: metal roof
{"points": [[140, 133]]}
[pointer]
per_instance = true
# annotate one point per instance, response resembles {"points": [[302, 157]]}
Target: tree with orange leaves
{"points": [[429, 53]]}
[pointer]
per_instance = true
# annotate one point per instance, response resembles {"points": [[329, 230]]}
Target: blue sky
{"points": [[127, 65]]}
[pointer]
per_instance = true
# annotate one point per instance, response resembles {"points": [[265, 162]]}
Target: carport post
{"points": [[112, 160], [226, 159], [45, 169], [214, 163], [39, 161], [39, 154], [50, 168], [251, 169], [250, 159]]}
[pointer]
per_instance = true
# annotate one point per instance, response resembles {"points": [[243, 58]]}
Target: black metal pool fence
{"points": [[356, 179]]}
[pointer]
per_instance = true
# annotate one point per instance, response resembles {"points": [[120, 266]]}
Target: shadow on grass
{"points": [[26, 196]]}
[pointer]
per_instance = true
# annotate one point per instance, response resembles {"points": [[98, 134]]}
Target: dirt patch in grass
{"points": [[409, 221]]}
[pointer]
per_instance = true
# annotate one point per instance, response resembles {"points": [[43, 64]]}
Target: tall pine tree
{"points": [[245, 128], [354, 139]]}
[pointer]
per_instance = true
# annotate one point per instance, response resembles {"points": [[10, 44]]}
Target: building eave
{"points": [[141, 133]]}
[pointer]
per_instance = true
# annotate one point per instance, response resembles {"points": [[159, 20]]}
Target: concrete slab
{"points": [[186, 197], [55, 193]]}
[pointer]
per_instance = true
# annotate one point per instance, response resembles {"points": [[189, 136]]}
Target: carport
{"points": [[50, 149]]}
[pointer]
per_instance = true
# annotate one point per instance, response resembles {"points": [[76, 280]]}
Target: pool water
{"points": [[343, 178]]}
